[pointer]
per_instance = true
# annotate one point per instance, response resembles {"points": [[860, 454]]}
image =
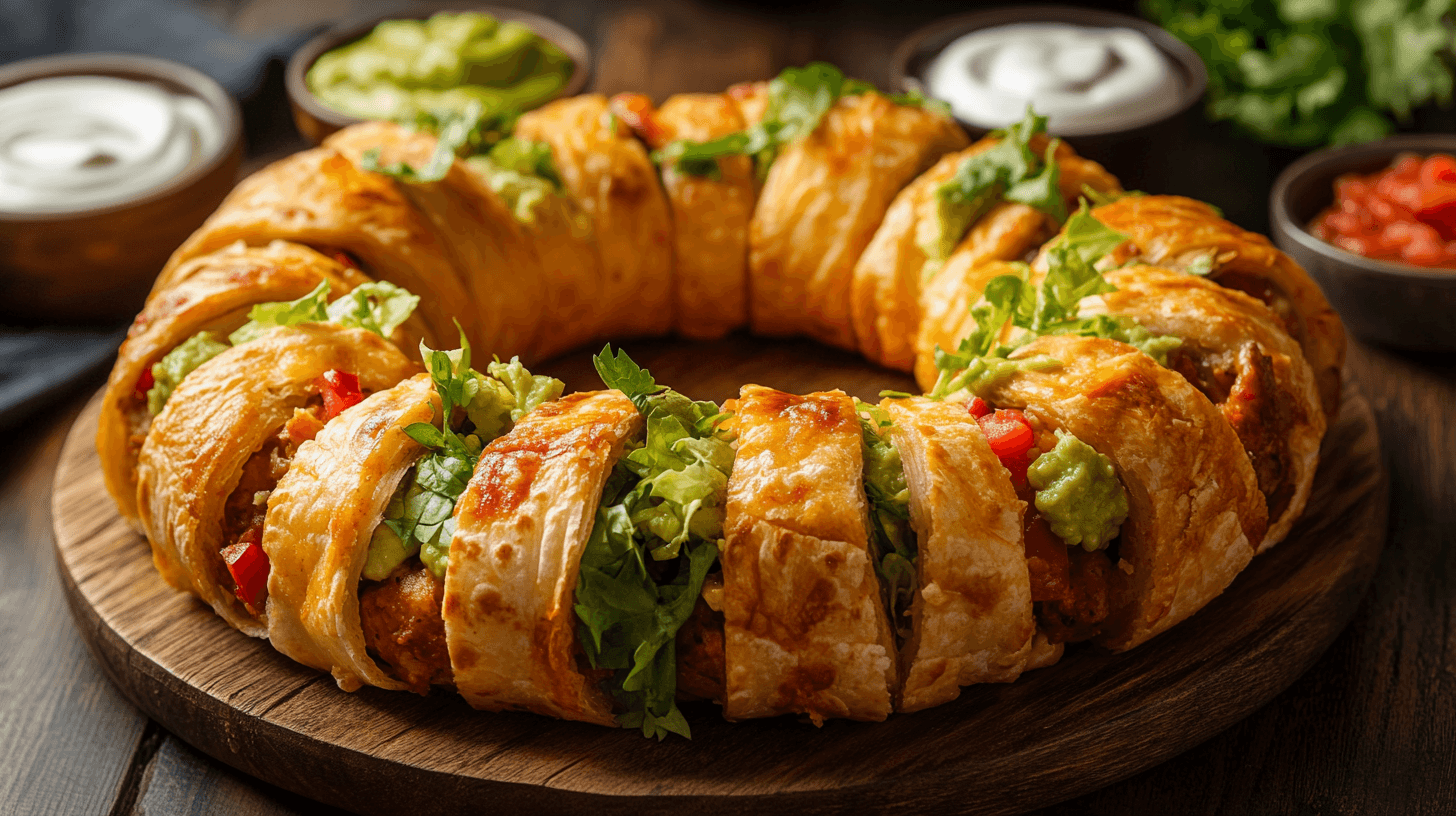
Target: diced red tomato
{"points": [[345, 259], [638, 113], [977, 407], [249, 567], [145, 383], [1009, 432], [340, 389], [1405, 213]]}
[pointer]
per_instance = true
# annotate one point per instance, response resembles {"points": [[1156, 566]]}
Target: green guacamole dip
{"points": [[1078, 493], [407, 67]]}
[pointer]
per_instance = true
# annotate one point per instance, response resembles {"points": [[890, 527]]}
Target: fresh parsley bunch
{"points": [[1308, 72]]}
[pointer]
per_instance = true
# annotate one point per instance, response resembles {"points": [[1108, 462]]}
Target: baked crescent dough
{"points": [[611, 177], [501, 268], [804, 629], [1176, 232], [216, 419], [824, 197], [214, 294], [971, 617], [949, 298], [1194, 508], [1235, 350], [710, 218], [320, 520], [521, 526], [893, 277], [321, 199]]}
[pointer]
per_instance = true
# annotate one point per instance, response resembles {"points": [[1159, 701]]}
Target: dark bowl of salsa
{"points": [[1388, 302]]}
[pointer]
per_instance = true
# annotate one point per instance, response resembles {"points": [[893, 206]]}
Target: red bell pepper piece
{"points": [[340, 390], [345, 259], [144, 384], [977, 407], [1009, 432], [249, 567]]}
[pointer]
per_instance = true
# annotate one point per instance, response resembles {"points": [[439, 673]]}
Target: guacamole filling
{"points": [[409, 551], [892, 541], [377, 307], [448, 62], [657, 535], [1076, 505]]}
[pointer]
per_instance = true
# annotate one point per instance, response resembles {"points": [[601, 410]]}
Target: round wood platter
{"points": [[1056, 733]]}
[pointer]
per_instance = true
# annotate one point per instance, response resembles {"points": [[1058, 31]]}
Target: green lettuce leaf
{"points": [[658, 531], [264, 317], [894, 546], [458, 134], [171, 370], [379, 307]]}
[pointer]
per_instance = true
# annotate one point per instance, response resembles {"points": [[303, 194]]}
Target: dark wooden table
{"points": [[1370, 729]]}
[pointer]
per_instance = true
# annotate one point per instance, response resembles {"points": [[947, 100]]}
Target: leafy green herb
{"points": [[1307, 72], [893, 540], [460, 134], [1010, 170], [798, 98], [1051, 308], [421, 515], [658, 532]]}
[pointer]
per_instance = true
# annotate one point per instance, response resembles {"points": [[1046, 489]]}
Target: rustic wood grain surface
{"points": [[1370, 728]]}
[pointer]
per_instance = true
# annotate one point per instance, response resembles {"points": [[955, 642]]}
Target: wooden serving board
{"points": [[1056, 733]]}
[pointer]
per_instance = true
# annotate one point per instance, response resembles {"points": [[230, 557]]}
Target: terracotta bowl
{"points": [[1117, 149], [97, 264], [1393, 304], [318, 121]]}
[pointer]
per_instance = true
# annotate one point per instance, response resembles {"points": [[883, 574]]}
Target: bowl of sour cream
{"points": [[107, 163], [1104, 80]]}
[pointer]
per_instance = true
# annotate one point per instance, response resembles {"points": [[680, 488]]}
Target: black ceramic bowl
{"points": [[318, 121], [1125, 151], [1393, 304]]}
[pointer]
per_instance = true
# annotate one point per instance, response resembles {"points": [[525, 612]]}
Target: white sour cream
{"points": [[1084, 80], [77, 142]]}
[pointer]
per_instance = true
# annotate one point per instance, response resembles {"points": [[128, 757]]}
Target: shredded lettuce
{"points": [[1048, 309], [420, 517], [379, 307], [1011, 171], [798, 98], [657, 534], [894, 543], [171, 370], [458, 133]]}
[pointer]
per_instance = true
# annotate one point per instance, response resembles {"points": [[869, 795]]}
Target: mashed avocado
{"points": [[407, 67], [168, 372], [1078, 493]]}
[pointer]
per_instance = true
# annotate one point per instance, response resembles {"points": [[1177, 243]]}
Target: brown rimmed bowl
{"points": [[317, 121], [1393, 304], [96, 265], [1123, 151]]}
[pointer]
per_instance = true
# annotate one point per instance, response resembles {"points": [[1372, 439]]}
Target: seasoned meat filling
{"points": [[701, 666], [1072, 591], [403, 627]]}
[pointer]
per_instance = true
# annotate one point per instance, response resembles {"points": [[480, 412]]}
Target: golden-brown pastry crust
{"points": [[501, 269], [710, 218], [216, 419], [321, 199], [948, 301], [1236, 351], [893, 278], [805, 631], [1195, 511], [971, 617], [610, 176], [213, 293], [1176, 232], [521, 526], [320, 520], [821, 204]]}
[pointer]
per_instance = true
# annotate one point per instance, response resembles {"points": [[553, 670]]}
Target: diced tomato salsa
{"points": [[1405, 213]]}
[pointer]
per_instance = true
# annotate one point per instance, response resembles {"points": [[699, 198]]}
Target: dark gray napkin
{"points": [[38, 366]]}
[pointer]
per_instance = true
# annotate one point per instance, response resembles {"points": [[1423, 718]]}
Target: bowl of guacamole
{"points": [[401, 65]]}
